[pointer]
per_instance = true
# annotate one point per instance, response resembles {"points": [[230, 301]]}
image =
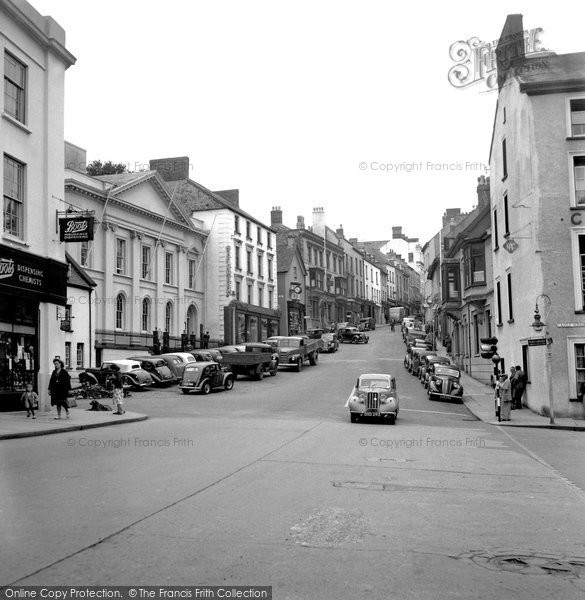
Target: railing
{"points": [[105, 338]]}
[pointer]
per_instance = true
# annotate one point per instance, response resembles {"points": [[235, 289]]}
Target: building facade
{"points": [[537, 165], [33, 269]]}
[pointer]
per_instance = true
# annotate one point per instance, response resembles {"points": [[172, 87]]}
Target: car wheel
{"points": [[313, 358], [299, 365], [392, 419], [431, 396], [229, 384], [353, 417], [185, 391], [260, 373], [366, 341], [354, 340], [206, 389]]}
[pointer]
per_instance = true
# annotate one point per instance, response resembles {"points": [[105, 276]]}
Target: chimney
{"points": [[339, 232], [275, 216], [510, 51], [319, 220], [230, 196], [451, 216], [396, 233], [300, 222], [483, 191], [353, 241], [75, 158], [171, 169]]}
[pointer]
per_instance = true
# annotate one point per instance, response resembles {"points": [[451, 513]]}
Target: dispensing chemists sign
{"points": [[76, 229]]}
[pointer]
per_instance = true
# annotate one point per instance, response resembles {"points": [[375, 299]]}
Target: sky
{"points": [[345, 105]]}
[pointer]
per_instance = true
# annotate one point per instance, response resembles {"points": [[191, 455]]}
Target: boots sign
{"points": [[76, 229]]}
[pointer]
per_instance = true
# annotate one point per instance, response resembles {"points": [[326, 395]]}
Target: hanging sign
{"points": [[76, 229]]}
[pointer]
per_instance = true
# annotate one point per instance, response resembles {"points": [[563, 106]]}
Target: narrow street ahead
{"points": [[270, 484]]}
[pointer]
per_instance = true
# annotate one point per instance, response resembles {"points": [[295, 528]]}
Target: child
{"points": [[30, 401]]}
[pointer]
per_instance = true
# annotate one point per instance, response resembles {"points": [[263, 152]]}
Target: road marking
{"points": [[436, 412]]}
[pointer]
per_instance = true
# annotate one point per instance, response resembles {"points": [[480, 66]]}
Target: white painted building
{"points": [[33, 271], [146, 258]]}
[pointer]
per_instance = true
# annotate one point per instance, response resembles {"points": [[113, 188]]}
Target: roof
{"points": [[77, 276]]}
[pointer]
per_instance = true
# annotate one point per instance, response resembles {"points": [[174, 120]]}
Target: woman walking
{"points": [[59, 386]]}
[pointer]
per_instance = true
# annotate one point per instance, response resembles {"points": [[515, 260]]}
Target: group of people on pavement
{"points": [[60, 386], [510, 391]]}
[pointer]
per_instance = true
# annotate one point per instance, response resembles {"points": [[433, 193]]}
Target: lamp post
{"points": [[538, 325]]}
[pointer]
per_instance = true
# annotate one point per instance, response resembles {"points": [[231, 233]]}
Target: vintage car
{"points": [[367, 324], [202, 355], [294, 350], [315, 334], [408, 357], [253, 360], [157, 368], [133, 374], [216, 354], [353, 335], [206, 376], [177, 362], [417, 357], [412, 335], [428, 364], [330, 342], [444, 383], [374, 395]]}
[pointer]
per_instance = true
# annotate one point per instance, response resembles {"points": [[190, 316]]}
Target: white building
{"points": [[146, 258], [33, 271], [241, 277]]}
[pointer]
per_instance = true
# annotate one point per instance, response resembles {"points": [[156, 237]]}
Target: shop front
{"points": [[245, 323], [296, 317], [26, 282]]}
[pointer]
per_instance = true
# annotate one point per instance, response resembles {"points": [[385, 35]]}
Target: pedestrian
{"points": [[30, 400], [506, 397], [59, 386], [512, 384], [206, 340], [520, 386], [118, 387]]}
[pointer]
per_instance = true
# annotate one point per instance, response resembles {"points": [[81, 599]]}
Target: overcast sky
{"points": [[284, 100]]}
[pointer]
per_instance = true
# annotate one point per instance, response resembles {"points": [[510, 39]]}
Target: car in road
{"points": [[374, 395], [176, 362], [445, 383], [353, 335], [417, 357], [204, 377], [157, 368], [133, 374], [428, 364], [367, 324], [294, 350], [330, 342]]}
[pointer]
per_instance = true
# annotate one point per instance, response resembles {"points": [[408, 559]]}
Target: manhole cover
{"points": [[529, 563]]}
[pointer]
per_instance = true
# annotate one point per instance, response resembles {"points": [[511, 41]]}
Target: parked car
{"points": [[330, 342], [203, 377], [157, 368], [353, 335], [201, 355], [367, 324], [428, 364], [216, 355], [417, 356], [132, 374], [315, 334], [445, 383], [294, 350], [255, 360], [177, 362], [374, 395]]}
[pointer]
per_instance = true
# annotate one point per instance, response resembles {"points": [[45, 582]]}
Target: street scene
{"points": [[292, 300], [271, 484]]}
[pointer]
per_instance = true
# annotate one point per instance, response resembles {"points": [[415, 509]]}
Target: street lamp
{"points": [[538, 326]]}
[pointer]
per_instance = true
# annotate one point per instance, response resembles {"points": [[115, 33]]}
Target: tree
{"points": [[96, 167]]}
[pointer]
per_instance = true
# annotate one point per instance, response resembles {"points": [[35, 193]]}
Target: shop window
{"points": [[14, 87], [18, 350], [13, 197], [120, 311], [80, 355]]}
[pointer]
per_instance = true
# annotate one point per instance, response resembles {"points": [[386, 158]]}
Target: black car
{"points": [[353, 335], [157, 368]]}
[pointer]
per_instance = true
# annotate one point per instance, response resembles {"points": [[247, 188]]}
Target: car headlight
{"points": [[361, 398], [384, 399]]}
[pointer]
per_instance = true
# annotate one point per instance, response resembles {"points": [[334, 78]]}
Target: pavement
{"points": [[17, 425], [478, 398]]}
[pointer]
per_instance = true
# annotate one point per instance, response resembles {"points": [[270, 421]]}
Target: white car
{"points": [[374, 395]]}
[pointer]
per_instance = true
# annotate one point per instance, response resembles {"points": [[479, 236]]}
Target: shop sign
{"points": [[76, 229], [570, 325], [33, 276], [537, 341]]}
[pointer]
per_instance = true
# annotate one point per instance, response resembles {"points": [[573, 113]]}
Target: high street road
{"points": [[270, 484]]}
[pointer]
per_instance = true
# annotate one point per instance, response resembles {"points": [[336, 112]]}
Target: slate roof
{"points": [[77, 276]]}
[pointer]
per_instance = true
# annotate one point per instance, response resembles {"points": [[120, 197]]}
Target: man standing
{"points": [[519, 386], [206, 339]]}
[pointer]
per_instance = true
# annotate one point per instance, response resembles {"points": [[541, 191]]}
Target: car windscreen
{"points": [[289, 343], [375, 383], [440, 370]]}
